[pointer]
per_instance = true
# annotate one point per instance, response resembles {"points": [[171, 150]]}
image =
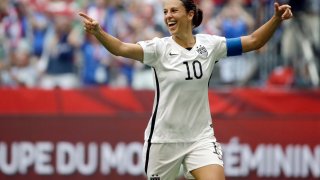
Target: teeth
{"points": [[171, 23]]}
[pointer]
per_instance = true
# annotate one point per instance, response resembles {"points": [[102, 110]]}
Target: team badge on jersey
{"points": [[202, 51]]}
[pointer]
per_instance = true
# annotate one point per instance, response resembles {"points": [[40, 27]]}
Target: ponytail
{"points": [[198, 14], [197, 18]]}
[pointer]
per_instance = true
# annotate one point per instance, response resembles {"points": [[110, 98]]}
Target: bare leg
{"points": [[210, 172]]}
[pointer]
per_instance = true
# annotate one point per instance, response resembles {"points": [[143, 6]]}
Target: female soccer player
{"points": [[180, 131]]}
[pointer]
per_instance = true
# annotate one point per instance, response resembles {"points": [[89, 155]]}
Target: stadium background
{"points": [[70, 110]]}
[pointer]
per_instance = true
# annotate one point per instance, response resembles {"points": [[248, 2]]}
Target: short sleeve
{"points": [[150, 52], [220, 47]]}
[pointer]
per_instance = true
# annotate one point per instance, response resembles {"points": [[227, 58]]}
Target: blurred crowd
{"points": [[43, 45]]}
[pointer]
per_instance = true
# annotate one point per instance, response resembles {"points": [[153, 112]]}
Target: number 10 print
{"points": [[197, 70]]}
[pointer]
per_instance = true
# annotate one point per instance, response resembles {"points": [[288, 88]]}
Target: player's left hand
{"points": [[283, 12]]}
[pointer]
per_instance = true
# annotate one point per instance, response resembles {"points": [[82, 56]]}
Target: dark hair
{"points": [[198, 14]]}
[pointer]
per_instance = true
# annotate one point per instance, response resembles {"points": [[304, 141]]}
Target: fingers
{"points": [[284, 7], [283, 11], [90, 25], [287, 14], [86, 17], [276, 6]]}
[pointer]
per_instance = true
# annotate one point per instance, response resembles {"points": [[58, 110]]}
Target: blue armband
{"points": [[234, 47]]}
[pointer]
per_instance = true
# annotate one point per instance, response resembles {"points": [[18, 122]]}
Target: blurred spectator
{"points": [[234, 21], [66, 57], [130, 25], [301, 42], [158, 17], [96, 62], [3, 9], [15, 26], [100, 11], [122, 68], [40, 24], [114, 21], [4, 6], [144, 27], [22, 69], [209, 23], [219, 3], [59, 60]]}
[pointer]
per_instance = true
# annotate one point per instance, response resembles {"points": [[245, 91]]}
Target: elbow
{"points": [[259, 45]]}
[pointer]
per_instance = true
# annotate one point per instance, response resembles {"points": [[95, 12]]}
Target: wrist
{"points": [[277, 19], [98, 31]]}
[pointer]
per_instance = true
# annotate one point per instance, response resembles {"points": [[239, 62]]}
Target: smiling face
{"points": [[176, 18]]}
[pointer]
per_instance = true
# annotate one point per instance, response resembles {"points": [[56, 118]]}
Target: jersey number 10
{"points": [[197, 69]]}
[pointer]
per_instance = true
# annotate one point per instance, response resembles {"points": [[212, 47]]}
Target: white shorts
{"points": [[163, 160]]}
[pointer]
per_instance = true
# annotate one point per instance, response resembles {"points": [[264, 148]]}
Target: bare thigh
{"points": [[210, 172]]}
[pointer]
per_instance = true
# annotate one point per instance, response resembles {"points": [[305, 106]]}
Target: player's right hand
{"points": [[90, 25]]}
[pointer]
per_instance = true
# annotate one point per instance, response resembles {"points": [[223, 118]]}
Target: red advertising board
{"points": [[98, 133]]}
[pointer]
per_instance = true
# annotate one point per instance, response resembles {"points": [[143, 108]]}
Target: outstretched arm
{"points": [[261, 36], [112, 44]]}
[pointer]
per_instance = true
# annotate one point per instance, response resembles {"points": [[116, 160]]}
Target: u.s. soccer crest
{"points": [[202, 51]]}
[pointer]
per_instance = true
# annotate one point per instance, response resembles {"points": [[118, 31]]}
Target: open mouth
{"points": [[171, 24]]}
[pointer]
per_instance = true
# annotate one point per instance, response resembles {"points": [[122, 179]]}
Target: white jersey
{"points": [[181, 111]]}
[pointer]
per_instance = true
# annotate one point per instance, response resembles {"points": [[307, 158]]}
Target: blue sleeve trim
{"points": [[234, 47]]}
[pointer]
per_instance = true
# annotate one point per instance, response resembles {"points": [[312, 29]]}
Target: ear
{"points": [[190, 15]]}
